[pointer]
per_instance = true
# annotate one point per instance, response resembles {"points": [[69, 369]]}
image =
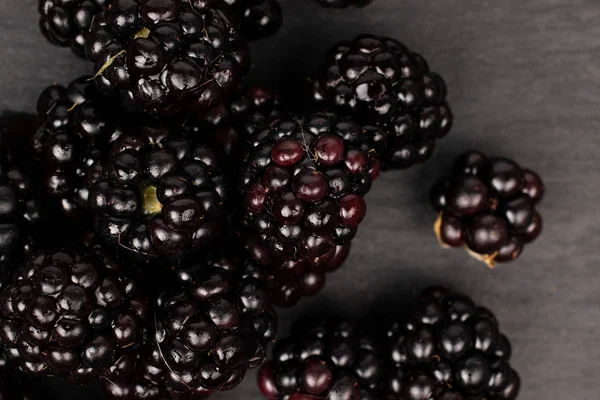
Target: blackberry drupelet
{"points": [[77, 123], [303, 185], [488, 205], [450, 349], [212, 325], [343, 3], [391, 92], [67, 22], [159, 195], [73, 313], [168, 55], [324, 358], [259, 18]]}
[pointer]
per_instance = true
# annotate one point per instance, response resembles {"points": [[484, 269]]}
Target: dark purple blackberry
{"points": [[67, 22], [450, 349], [212, 325], [391, 92], [231, 123], [168, 55], [343, 3], [259, 18], [76, 124], [488, 205], [324, 358], [73, 313], [159, 195], [303, 187]]}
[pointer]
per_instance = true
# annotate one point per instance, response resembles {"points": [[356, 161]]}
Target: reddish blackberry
{"points": [[67, 22], [231, 123], [303, 185], [77, 122], [159, 195], [259, 18], [391, 91], [167, 55], [488, 205], [293, 280], [212, 325], [343, 3], [73, 313], [324, 358], [449, 349]]}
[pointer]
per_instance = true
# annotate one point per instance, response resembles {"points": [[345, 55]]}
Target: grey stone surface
{"points": [[524, 82]]}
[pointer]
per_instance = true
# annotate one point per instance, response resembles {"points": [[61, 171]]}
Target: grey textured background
{"points": [[524, 82]]}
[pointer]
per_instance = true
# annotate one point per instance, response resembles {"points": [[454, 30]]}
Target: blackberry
{"points": [[303, 187], [67, 22], [77, 123], [259, 18], [159, 195], [293, 280], [326, 358], [449, 349], [488, 205], [212, 325], [343, 3], [167, 55], [391, 92], [73, 313]]}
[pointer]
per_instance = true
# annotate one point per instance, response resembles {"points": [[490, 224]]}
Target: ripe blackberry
{"points": [[391, 92], [259, 18], [343, 3], [212, 325], [159, 194], [293, 280], [324, 358], [77, 122], [449, 349], [67, 22], [303, 184], [232, 122], [488, 205], [167, 55], [73, 313]]}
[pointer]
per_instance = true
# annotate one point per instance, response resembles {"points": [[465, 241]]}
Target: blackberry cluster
{"points": [[391, 92], [19, 214], [488, 205], [67, 22], [259, 18], [212, 325], [450, 349], [324, 358], [303, 185], [167, 55], [159, 195], [343, 3], [77, 123], [74, 313]]}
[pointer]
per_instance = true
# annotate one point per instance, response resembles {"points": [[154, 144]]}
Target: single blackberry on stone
{"points": [[293, 280], [303, 188], [67, 22], [259, 18], [323, 358], [168, 55], [449, 349], [76, 124], [343, 3], [391, 92], [488, 206], [213, 323], [229, 125], [159, 195], [73, 313]]}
